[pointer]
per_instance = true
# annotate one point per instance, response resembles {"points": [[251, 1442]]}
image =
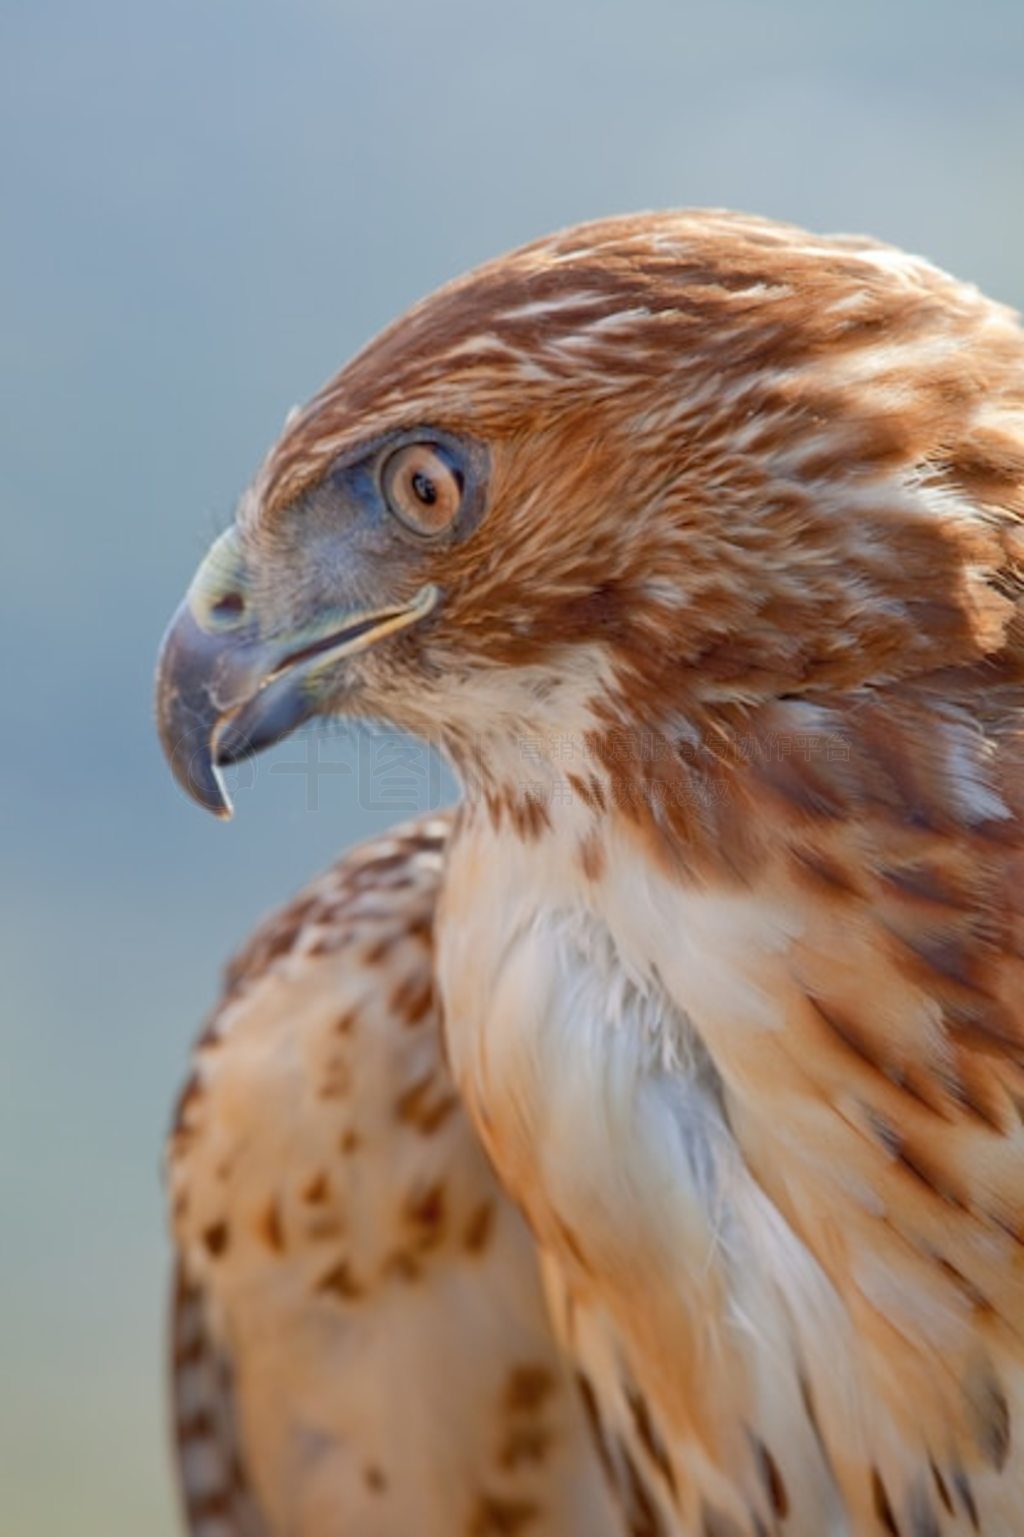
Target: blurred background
{"points": [[206, 206]]}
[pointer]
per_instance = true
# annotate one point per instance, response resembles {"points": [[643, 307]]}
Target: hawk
{"points": [[360, 1343], [695, 541]]}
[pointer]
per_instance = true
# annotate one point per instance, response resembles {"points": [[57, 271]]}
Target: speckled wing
{"points": [[360, 1341], [217, 1495]]}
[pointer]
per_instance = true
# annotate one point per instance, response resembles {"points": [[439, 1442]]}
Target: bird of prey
{"points": [[360, 1339], [695, 541]]}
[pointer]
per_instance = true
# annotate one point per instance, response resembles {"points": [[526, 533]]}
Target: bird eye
{"points": [[422, 487]]}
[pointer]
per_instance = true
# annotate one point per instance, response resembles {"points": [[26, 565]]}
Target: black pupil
{"points": [[424, 488]]}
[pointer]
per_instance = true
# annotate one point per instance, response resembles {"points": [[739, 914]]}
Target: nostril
{"points": [[229, 605]]}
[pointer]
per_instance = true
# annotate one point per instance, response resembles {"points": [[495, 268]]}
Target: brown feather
{"points": [[748, 586]]}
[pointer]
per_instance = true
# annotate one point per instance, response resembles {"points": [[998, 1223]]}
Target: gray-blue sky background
{"points": [[205, 206]]}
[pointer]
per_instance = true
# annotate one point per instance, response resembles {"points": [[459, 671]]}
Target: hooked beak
{"points": [[224, 691]]}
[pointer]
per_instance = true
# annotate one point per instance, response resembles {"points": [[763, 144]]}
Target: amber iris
{"points": [[422, 488]]}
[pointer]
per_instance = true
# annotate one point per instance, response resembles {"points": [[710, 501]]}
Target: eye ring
{"points": [[422, 487]]}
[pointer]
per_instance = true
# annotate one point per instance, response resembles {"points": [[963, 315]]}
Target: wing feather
{"points": [[362, 1303], [217, 1500]]}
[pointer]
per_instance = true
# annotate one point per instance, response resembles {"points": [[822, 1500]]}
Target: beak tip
{"points": [[201, 780], [188, 714]]}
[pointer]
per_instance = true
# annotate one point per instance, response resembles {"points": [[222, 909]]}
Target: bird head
{"points": [[651, 466]]}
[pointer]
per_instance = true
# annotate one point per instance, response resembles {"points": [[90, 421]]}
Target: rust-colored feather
{"points": [[731, 664]]}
